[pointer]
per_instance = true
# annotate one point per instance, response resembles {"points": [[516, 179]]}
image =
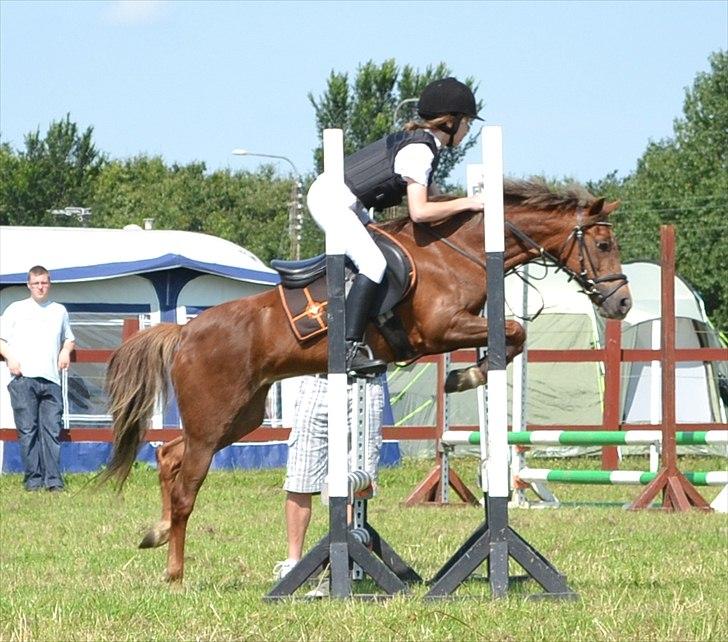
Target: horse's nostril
{"points": [[625, 304]]}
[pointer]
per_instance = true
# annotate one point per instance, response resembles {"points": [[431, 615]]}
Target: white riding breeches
{"points": [[334, 208]]}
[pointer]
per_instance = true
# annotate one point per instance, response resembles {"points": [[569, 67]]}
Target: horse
{"points": [[222, 363]]}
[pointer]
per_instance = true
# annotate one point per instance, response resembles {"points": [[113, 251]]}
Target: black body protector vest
{"points": [[369, 172]]}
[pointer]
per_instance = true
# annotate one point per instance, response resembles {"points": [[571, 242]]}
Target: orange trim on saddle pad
{"points": [[306, 309]]}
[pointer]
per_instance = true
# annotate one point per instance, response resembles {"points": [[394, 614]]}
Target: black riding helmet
{"points": [[447, 96]]}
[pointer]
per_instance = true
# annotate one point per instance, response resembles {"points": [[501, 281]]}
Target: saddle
{"points": [[303, 292]]}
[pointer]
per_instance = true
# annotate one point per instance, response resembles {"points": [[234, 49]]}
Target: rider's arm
{"points": [[423, 210]]}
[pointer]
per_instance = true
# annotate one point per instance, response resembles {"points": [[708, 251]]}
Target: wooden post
{"points": [[678, 494], [431, 490], [129, 328], [612, 386]]}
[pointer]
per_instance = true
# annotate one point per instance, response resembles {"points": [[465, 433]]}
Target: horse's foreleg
{"points": [[477, 375], [192, 472], [169, 458]]}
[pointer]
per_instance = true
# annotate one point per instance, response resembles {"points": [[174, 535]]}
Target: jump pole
{"points": [[591, 438], [616, 477], [494, 540], [337, 391], [342, 546]]}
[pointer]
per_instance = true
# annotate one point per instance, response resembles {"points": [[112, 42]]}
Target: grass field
{"points": [[70, 568]]}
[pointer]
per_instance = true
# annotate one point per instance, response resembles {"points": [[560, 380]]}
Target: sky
{"points": [[580, 88]]}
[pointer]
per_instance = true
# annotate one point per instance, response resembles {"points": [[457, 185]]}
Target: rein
{"points": [[471, 257], [575, 238]]}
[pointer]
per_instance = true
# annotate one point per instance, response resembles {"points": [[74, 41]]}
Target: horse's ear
{"points": [[596, 207], [610, 207]]}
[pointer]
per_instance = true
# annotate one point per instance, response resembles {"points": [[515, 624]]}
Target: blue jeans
{"points": [[38, 410]]}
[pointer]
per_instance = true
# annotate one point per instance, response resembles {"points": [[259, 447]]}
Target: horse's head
{"points": [[591, 253], [575, 234]]}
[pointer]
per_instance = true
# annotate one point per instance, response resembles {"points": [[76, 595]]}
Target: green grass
{"points": [[70, 569]]}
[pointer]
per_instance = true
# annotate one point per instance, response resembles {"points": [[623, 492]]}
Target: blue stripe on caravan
{"points": [[85, 457], [165, 262]]}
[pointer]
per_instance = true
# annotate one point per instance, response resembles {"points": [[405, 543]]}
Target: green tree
{"points": [[56, 171], [683, 181], [365, 110], [249, 209], [64, 169]]}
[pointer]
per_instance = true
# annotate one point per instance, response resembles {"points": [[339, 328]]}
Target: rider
{"points": [[380, 175]]}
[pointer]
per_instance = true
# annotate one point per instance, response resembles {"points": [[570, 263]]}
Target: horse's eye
{"points": [[604, 246]]}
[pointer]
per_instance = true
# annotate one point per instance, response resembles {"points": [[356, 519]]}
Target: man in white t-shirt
{"points": [[36, 341]]}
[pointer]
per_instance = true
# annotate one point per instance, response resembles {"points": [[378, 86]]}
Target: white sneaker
{"points": [[281, 569]]}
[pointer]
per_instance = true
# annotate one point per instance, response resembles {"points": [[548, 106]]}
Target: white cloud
{"points": [[135, 12]]}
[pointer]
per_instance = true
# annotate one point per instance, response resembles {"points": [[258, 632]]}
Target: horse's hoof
{"points": [[175, 579], [452, 381], [156, 536], [148, 541], [466, 379], [474, 377]]}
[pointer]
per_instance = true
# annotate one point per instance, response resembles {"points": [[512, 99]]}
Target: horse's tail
{"points": [[137, 375]]}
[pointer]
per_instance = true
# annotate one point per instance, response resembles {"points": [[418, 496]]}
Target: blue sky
{"points": [[580, 88]]}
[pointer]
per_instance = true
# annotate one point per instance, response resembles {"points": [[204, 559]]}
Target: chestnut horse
{"points": [[223, 362]]}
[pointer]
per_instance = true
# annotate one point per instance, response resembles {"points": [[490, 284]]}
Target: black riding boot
{"points": [[359, 301]]}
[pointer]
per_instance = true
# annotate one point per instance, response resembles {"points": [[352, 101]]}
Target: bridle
{"points": [[575, 239]]}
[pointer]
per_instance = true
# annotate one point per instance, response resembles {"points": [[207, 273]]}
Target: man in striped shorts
{"points": [[307, 464]]}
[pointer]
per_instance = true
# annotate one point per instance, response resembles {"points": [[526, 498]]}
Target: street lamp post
{"points": [[295, 211], [402, 103]]}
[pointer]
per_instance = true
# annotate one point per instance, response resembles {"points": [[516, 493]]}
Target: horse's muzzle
{"points": [[613, 303]]}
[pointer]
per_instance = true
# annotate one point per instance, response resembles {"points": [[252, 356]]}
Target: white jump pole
{"points": [[342, 545], [497, 462], [337, 385], [494, 541], [338, 451], [496, 466]]}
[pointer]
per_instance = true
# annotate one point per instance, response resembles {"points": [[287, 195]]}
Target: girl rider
{"points": [[378, 176]]}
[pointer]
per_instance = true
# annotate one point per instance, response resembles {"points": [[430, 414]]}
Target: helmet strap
{"points": [[451, 130]]}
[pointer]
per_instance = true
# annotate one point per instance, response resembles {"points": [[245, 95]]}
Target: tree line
{"points": [[680, 180]]}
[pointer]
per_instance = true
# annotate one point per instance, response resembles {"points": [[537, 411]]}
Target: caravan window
{"points": [[84, 385]]}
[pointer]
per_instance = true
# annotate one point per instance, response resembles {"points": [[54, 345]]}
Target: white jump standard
{"points": [[343, 545], [494, 540]]}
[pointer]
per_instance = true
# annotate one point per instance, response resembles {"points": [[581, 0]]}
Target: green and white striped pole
{"points": [[592, 438]]}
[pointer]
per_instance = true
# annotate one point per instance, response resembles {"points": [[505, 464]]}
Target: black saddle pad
{"points": [[303, 285]]}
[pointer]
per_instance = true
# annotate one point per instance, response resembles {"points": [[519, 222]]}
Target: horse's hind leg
{"points": [[196, 461], [196, 457], [169, 458]]}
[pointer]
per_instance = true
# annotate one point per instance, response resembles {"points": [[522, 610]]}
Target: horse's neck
{"points": [[547, 230]]}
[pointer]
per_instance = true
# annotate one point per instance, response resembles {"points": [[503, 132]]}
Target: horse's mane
{"points": [[534, 193]]}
